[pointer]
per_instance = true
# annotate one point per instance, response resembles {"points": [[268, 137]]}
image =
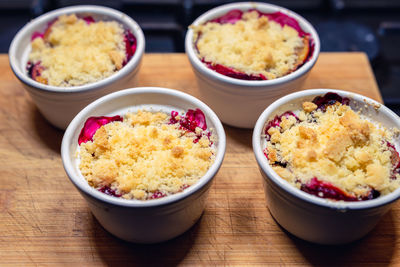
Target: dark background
{"points": [[372, 26]]}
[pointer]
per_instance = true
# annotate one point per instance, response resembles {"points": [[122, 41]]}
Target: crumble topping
{"points": [[331, 151], [255, 45], [147, 155], [74, 51]]}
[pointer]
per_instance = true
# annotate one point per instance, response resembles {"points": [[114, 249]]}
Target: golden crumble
{"points": [[145, 156]]}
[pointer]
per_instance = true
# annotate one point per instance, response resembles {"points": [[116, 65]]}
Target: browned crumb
{"points": [[307, 133], [309, 106], [117, 59], [100, 138], [177, 151], [272, 155]]}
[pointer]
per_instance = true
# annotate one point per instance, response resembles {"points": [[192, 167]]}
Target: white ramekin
{"points": [[60, 104], [134, 220], [309, 217], [240, 102]]}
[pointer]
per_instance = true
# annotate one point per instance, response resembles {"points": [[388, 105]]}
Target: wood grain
{"points": [[44, 221]]}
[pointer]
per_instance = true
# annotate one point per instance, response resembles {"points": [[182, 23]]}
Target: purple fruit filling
{"points": [[327, 190], [233, 73], [130, 46], [45, 33], [395, 159], [185, 186], [34, 70], [108, 191], [92, 124], [235, 15], [330, 99], [36, 35], [88, 19], [192, 120], [158, 194]]}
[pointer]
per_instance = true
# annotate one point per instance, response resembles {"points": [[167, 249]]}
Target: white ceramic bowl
{"points": [[240, 102], [309, 217], [134, 220], [60, 104]]}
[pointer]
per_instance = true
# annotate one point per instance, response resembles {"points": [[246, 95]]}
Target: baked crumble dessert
{"points": [[74, 51], [252, 45], [332, 151], [145, 155]]}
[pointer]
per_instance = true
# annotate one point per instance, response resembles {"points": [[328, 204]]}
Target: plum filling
{"points": [[330, 99], [282, 19], [231, 17], [230, 72], [34, 70], [327, 190], [92, 124], [108, 191], [395, 159], [45, 33], [192, 120], [185, 186], [130, 46], [36, 35], [157, 194], [88, 19]]}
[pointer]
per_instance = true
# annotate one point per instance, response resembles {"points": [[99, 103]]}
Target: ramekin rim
{"points": [[203, 181], [285, 186], [196, 63], [125, 20]]}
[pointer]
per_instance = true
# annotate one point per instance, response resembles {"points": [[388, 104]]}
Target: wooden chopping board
{"points": [[45, 221]]}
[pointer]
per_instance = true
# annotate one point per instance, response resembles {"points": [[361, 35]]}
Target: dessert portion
{"points": [[329, 150], [74, 51], [252, 45], [145, 155]]}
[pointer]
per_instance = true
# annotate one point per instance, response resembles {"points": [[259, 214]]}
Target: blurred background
{"points": [[371, 26]]}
